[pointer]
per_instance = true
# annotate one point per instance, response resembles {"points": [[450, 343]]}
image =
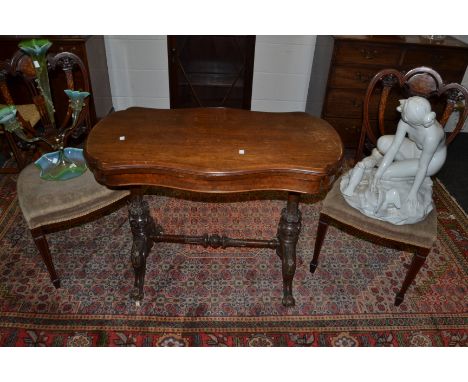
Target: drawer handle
{"points": [[362, 77], [356, 103], [368, 54]]}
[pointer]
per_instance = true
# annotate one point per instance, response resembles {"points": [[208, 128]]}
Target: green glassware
{"points": [[37, 50], [76, 102], [63, 164], [10, 122], [8, 119]]}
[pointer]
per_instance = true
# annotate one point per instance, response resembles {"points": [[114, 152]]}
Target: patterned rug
{"points": [[232, 297]]}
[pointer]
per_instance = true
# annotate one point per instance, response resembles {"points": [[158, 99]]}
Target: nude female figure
{"points": [[399, 157]]}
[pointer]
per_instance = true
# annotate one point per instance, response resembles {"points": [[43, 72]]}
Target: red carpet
{"points": [[232, 297]]}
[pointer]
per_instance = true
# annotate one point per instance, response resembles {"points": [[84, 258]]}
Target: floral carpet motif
{"points": [[205, 297]]}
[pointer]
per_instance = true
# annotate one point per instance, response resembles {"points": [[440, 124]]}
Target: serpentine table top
{"points": [[214, 150]]}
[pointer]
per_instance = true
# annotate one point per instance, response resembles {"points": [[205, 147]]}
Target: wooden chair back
{"points": [[19, 70], [422, 81]]}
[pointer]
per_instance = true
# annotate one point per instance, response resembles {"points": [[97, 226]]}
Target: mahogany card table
{"points": [[214, 150]]}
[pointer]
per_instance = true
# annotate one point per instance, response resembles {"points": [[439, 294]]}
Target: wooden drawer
{"points": [[438, 59], [344, 103], [351, 77], [348, 103], [348, 129], [369, 54]]}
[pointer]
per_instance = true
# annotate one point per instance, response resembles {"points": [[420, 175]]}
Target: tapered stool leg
{"points": [[322, 229], [43, 248], [417, 262], [288, 234]]}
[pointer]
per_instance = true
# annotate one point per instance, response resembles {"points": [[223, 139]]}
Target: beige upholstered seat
{"points": [[53, 205], [45, 202], [422, 234]]}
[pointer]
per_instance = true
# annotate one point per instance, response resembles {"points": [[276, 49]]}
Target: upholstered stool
{"points": [[47, 205], [420, 236]]}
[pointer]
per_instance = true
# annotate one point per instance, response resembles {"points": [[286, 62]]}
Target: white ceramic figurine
{"points": [[393, 183]]}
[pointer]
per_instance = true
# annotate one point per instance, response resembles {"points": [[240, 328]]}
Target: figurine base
{"points": [[387, 202]]}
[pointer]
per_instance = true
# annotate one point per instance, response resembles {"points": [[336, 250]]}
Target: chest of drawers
{"points": [[352, 61]]}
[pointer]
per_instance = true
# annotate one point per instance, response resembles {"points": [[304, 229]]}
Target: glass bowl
{"points": [[57, 165]]}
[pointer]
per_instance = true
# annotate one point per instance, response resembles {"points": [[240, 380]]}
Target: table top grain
{"points": [[214, 150]]}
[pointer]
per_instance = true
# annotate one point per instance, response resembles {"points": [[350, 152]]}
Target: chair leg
{"points": [[321, 232], [19, 157], [416, 263], [43, 247]]}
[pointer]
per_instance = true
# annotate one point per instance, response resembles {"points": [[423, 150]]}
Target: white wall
{"points": [[138, 71], [281, 72]]}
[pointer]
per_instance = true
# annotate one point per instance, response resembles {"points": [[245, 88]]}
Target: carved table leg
{"points": [[143, 227], [288, 234]]}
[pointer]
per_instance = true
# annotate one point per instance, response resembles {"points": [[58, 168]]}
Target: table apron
{"points": [[272, 181]]}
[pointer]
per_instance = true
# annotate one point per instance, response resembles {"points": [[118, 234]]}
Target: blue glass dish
{"points": [[62, 165]]}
